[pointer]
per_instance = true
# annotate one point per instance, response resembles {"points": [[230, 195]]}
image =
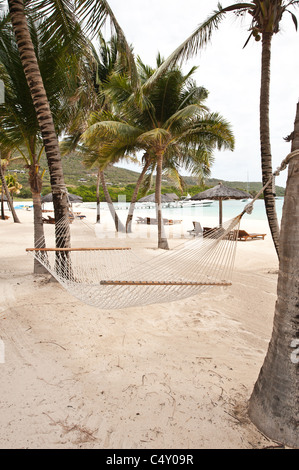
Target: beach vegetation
{"points": [[168, 122], [60, 24], [20, 129], [8, 184], [106, 60], [19, 15], [265, 18]]}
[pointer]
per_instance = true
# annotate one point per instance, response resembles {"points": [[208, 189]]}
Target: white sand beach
{"points": [[167, 376]]}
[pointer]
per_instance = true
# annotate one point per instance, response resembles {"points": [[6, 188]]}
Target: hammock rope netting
{"points": [[119, 277]]}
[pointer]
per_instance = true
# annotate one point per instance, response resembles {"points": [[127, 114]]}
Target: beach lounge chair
{"points": [[197, 230], [151, 221], [214, 232], [141, 220], [244, 236], [49, 220], [171, 221], [78, 215]]}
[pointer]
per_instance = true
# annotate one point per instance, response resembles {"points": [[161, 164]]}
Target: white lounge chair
{"points": [[197, 230]]}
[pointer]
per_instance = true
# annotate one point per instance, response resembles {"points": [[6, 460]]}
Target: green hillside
{"points": [[121, 181]]}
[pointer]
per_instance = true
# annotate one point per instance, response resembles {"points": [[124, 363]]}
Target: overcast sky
{"points": [[230, 73]]}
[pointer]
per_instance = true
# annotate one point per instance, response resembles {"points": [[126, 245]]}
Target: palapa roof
{"points": [[173, 196], [72, 198], [221, 192], [168, 197]]}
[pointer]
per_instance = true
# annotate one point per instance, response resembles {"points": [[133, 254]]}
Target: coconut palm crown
{"points": [[265, 21], [168, 121]]}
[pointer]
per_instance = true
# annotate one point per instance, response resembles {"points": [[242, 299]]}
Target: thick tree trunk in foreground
{"points": [[274, 404], [266, 157], [162, 240], [43, 112]]}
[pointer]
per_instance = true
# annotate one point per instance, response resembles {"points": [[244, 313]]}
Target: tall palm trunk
{"points": [[266, 157], [43, 112], [162, 240], [8, 197], [118, 224], [38, 231], [35, 183], [274, 403], [134, 197], [98, 218]]}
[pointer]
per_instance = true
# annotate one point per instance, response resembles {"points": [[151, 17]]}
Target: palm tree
{"points": [[91, 152], [5, 189], [105, 62], [13, 187], [265, 21], [274, 403], [171, 122], [61, 24], [19, 125], [43, 112]]}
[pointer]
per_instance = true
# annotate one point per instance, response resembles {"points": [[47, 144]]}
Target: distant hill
{"points": [[252, 187], [77, 175]]}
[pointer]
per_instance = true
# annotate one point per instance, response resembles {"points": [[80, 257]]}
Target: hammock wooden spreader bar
{"points": [[76, 249], [108, 276], [163, 283]]}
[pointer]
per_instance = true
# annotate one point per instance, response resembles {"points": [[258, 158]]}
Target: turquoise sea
{"points": [[231, 208]]}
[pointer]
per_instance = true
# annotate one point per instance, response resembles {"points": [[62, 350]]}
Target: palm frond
{"points": [[153, 138], [199, 38], [59, 21], [94, 14], [186, 113]]}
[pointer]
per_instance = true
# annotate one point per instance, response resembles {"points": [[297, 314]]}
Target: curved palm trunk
{"points": [[2, 206], [274, 403], [134, 197], [8, 196], [118, 225], [266, 157], [98, 218], [162, 240], [44, 116]]}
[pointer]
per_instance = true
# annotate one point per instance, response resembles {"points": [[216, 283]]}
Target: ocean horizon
{"points": [[231, 208]]}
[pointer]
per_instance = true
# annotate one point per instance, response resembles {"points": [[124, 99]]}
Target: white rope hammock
{"points": [[118, 277]]}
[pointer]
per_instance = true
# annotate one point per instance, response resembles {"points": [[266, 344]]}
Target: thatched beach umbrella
{"points": [[221, 193], [170, 197], [72, 198]]}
